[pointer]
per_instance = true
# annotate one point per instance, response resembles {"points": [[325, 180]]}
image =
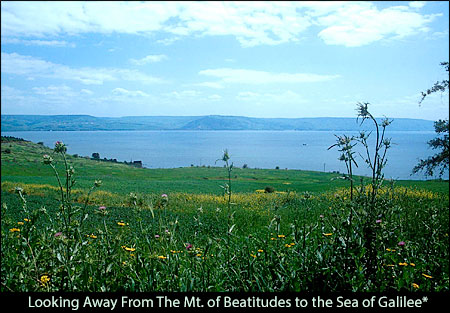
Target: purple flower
{"points": [[401, 243], [164, 195], [156, 236], [189, 246], [167, 231], [102, 208], [378, 221], [321, 216], [58, 234]]}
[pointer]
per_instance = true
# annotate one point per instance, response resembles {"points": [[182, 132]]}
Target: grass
{"points": [[307, 236]]}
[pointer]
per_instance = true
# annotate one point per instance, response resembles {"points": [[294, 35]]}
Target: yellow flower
{"points": [[390, 265], [427, 276], [273, 238], [412, 264], [403, 264], [328, 234], [20, 223], [121, 223], [26, 220], [390, 250], [44, 279], [162, 257], [287, 245], [252, 255], [260, 250], [14, 229], [281, 236], [415, 285], [292, 244]]}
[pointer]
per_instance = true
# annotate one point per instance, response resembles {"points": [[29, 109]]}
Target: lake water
{"points": [[306, 150]]}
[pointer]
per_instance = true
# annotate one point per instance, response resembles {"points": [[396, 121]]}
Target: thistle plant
{"points": [[376, 162], [71, 226], [229, 167], [227, 190]]}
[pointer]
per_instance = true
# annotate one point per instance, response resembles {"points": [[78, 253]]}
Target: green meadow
{"points": [[76, 224]]}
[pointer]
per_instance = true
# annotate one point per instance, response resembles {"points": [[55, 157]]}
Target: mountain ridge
{"points": [[207, 122]]}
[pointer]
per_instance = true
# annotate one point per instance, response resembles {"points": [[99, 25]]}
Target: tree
{"points": [[96, 156], [439, 161]]}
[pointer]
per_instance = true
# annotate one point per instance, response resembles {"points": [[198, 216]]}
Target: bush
{"points": [[269, 189]]}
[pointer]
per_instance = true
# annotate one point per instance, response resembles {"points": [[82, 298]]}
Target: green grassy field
{"points": [[175, 230]]}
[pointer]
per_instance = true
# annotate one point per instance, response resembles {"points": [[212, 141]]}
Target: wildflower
{"points": [[281, 236], [390, 250], [189, 246], [273, 238], [321, 215], [47, 159], [403, 264], [14, 230], [58, 234], [260, 250], [97, 183], [156, 236], [164, 197], [378, 221], [93, 236], [121, 223], [60, 147], [128, 249], [102, 208], [20, 223], [426, 276], [401, 243], [162, 257], [198, 254], [412, 264], [415, 285], [252, 255], [292, 244], [26, 220], [44, 279], [328, 234]]}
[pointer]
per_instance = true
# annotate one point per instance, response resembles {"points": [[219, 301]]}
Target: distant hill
{"points": [[210, 122]]}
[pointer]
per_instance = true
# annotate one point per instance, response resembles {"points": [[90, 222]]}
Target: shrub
{"points": [[269, 189]]}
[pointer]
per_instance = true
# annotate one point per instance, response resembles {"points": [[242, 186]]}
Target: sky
{"points": [[258, 59]]}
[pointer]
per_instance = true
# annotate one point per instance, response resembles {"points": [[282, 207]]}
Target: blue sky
{"points": [[260, 59]]}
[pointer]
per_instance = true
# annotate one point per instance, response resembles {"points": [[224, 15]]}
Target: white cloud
{"points": [[13, 63], [87, 91], [129, 93], [52, 90], [149, 59], [49, 43], [215, 97], [357, 24], [183, 94], [251, 23], [244, 76], [417, 4]]}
